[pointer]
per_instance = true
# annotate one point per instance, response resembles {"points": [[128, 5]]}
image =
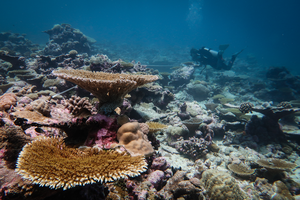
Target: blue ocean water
{"points": [[269, 29]]}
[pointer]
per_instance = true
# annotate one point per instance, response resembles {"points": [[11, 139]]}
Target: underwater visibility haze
{"points": [[140, 99]]}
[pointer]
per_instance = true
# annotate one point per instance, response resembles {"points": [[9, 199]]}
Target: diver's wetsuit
{"points": [[213, 58]]}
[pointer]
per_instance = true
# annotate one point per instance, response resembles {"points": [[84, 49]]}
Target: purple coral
{"points": [[196, 147], [156, 178], [193, 147]]}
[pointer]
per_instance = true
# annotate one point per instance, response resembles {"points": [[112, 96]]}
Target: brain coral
{"points": [[49, 162], [109, 88], [221, 186]]}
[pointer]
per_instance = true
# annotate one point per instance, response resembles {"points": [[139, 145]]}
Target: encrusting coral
{"points": [[133, 139], [49, 162], [109, 88]]}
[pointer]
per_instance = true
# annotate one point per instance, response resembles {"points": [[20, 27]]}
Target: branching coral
{"points": [[221, 186], [193, 147], [110, 89], [78, 105], [49, 162]]}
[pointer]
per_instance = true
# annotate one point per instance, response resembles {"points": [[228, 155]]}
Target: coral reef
{"points": [[16, 61], [71, 167], [64, 38], [110, 89], [15, 43], [133, 139]]}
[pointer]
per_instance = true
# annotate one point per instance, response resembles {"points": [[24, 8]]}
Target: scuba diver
{"points": [[213, 58]]}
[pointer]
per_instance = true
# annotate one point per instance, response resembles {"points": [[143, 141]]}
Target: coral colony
{"points": [[79, 124]]}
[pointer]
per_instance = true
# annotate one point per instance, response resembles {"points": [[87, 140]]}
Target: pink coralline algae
{"points": [[160, 163], [156, 178], [104, 130]]}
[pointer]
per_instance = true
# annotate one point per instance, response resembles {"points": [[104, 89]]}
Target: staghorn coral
{"points": [[240, 169], [7, 100], [155, 126], [221, 186], [133, 139], [78, 105], [110, 89], [49, 162]]}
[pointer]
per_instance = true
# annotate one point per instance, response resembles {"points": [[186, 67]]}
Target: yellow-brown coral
{"points": [[7, 100], [155, 126], [133, 139], [78, 105], [49, 162], [221, 186], [109, 88], [276, 164], [240, 169]]}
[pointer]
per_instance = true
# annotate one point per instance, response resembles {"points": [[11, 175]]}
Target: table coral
{"points": [[49, 162], [110, 89]]}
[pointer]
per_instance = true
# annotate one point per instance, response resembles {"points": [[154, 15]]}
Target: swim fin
{"points": [[223, 47]]}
